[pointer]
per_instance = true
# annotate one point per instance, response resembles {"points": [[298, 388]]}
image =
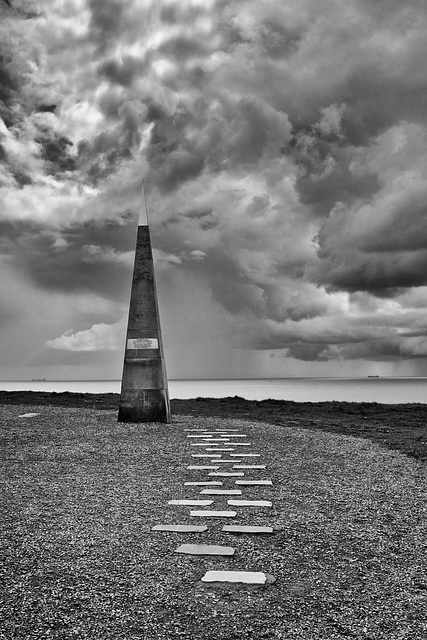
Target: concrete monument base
{"points": [[144, 405]]}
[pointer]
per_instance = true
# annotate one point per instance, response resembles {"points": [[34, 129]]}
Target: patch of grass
{"points": [[401, 427]]}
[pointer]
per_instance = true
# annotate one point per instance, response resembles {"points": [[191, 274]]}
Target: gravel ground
{"points": [[80, 559]]}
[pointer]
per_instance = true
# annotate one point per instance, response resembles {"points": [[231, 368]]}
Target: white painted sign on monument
{"points": [[142, 343]]}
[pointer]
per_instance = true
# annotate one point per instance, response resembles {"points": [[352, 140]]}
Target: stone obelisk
{"points": [[144, 396]]}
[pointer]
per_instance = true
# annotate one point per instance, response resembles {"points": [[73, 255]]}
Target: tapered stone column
{"points": [[144, 396]]}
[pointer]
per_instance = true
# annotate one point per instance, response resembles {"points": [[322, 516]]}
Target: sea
{"points": [[387, 390]]}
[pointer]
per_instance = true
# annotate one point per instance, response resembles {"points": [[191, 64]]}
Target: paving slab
{"points": [[246, 455], [226, 431], [202, 467], [221, 492], [246, 577], [205, 550], [213, 514], [229, 528], [236, 435], [255, 482], [201, 444], [201, 434], [190, 528], [248, 466], [191, 502], [205, 455], [200, 484], [242, 444], [249, 503], [224, 474]]}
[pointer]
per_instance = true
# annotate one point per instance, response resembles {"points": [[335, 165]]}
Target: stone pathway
{"points": [[232, 477]]}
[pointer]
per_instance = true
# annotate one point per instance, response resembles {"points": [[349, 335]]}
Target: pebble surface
{"points": [[348, 518]]}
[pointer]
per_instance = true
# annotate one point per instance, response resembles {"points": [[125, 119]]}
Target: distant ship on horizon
{"points": [[373, 376], [38, 380]]}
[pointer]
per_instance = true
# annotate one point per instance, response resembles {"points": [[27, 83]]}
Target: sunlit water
{"points": [[385, 390]]}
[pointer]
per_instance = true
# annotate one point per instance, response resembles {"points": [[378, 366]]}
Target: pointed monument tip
{"points": [[143, 213], [143, 218]]}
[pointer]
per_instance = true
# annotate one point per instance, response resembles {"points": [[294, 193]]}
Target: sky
{"points": [[283, 145]]}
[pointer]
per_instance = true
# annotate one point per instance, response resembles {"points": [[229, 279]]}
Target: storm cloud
{"points": [[283, 148]]}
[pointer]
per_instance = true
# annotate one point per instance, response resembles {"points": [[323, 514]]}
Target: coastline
{"points": [[400, 427]]}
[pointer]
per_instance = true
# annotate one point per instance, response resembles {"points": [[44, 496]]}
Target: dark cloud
{"points": [[226, 139], [21, 178], [326, 175], [307, 352], [379, 273], [108, 20], [181, 49], [56, 152], [114, 21], [172, 160], [283, 148], [11, 79], [101, 156], [47, 108], [89, 258], [173, 13], [8, 84], [123, 71], [74, 269]]}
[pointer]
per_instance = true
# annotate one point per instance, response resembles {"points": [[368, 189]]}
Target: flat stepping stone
{"points": [[242, 444], [246, 455], [191, 502], [200, 444], [29, 415], [245, 577], [198, 466], [199, 432], [249, 503], [224, 474], [205, 455], [191, 528], [221, 492], [254, 482], [200, 484], [205, 550], [207, 439], [200, 435], [236, 435], [249, 466], [226, 431], [229, 528], [214, 514]]}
